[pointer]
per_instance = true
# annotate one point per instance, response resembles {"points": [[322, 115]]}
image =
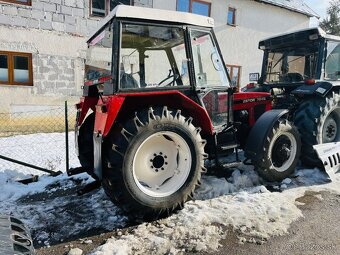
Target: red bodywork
{"points": [[108, 108]]}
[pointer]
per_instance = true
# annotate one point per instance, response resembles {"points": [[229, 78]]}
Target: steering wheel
{"points": [[174, 77]]}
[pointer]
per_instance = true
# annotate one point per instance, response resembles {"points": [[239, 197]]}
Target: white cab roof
{"points": [[143, 13]]}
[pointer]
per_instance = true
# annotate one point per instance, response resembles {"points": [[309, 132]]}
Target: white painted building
{"points": [[42, 43]]}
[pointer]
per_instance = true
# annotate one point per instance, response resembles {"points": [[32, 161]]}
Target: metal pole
{"points": [[66, 138], [31, 166]]}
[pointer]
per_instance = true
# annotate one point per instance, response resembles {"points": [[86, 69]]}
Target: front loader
{"points": [[158, 102]]}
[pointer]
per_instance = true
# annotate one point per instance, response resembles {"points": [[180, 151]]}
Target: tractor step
{"points": [[229, 147], [89, 187], [75, 171], [232, 164]]}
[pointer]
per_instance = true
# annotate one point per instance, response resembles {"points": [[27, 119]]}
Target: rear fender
{"points": [[85, 104], [259, 132], [124, 105], [321, 89]]}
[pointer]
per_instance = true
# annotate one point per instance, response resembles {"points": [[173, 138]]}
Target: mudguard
{"points": [[318, 89], [254, 146]]}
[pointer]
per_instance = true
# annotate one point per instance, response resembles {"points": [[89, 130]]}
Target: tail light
{"points": [[310, 82]]}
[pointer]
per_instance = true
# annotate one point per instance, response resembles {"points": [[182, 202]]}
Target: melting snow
{"points": [[243, 201]]}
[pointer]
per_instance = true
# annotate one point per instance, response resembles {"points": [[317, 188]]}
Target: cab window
{"points": [[152, 56]]}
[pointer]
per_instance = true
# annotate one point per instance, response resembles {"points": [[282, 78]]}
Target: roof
{"points": [[296, 37], [143, 13], [314, 30], [293, 5]]}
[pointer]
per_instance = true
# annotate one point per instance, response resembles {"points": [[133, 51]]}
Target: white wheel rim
{"points": [[162, 164], [293, 151]]}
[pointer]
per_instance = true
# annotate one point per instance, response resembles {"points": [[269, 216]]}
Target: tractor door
{"points": [[212, 82]]}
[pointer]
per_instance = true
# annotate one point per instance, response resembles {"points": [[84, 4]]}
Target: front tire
{"points": [[281, 152], [153, 163], [318, 121]]}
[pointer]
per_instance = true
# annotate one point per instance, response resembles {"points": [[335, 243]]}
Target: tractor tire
{"points": [[281, 152], [153, 163], [85, 144], [318, 121]]}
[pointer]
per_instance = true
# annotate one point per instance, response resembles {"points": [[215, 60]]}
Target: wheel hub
{"points": [[281, 151], [331, 129], [161, 173], [158, 162]]}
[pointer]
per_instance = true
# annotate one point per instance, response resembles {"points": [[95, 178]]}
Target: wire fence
{"points": [[37, 137]]}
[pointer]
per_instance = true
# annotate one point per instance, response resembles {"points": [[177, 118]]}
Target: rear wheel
{"points": [[318, 121], [153, 163], [281, 152]]}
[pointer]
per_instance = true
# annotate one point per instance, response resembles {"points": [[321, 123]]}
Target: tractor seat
{"points": [[291, 77], [127, 81]]}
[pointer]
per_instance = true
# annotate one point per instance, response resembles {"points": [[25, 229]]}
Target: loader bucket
{"points": [[329, 153], [15, 238]]}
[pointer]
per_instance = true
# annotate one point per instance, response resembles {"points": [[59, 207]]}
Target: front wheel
{"points": [[153, 163], [281, 152]]}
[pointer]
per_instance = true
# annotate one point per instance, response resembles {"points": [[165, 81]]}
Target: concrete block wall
{"points": [[67, 16], [144, 3]]}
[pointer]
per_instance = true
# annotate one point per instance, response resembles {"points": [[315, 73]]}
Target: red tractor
{"points": [[158, 102]]}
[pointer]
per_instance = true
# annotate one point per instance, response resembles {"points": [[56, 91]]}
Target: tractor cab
{"points": [[133, 53], [297, 60]]}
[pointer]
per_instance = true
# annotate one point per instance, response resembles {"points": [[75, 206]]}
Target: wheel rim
{"points": [[331, 128], [282, 150], [162, 164]]}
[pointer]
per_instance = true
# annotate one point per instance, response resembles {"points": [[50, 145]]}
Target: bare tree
{"points": [[331, 24]]}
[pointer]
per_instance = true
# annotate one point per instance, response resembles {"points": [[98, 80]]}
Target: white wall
{"points": [[254, 21]]}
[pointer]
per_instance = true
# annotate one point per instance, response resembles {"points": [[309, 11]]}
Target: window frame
{"points": [[197, 1], [187, 44], [233, 10], [29, 2], [231, 74], [10, 63], [107, 8]]}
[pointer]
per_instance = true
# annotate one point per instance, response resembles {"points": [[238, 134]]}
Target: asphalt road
{"points": [[317, 233]]}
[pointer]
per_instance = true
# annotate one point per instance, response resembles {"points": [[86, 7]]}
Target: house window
{"points": [[24, 2], [16, 68], [194, 6], [235, 74], [231, 17], [101, 8]]}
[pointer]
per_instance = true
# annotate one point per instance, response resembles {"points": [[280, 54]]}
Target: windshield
{"points": [[291, 65], [332, 65], [99, 56]]}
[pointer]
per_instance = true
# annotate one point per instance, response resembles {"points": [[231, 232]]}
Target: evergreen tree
{"points": [[331, 24]]}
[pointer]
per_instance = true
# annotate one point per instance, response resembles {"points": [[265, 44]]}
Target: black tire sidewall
{"points": [[268, 170], [127, 169]]}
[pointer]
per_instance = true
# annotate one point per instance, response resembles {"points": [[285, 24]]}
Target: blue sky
{"points": [[320, 7]]}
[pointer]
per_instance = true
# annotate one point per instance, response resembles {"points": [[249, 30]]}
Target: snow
{"points": [[242, 201]]}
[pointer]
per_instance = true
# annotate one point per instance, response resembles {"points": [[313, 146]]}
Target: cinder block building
{"points": [[43, 42]]}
